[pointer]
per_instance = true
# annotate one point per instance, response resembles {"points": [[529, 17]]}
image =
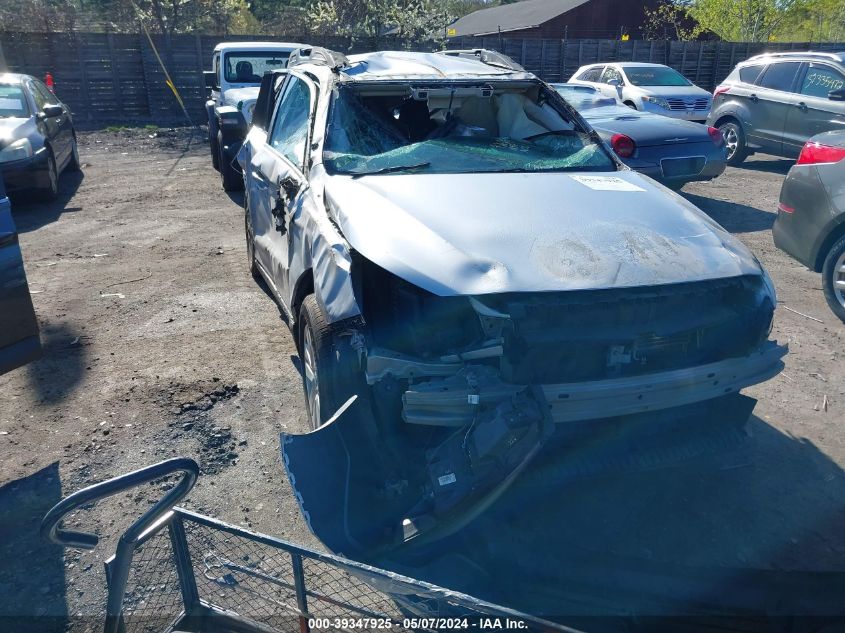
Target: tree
{"points": [[744, 20], [670, 20], [815, 21]]}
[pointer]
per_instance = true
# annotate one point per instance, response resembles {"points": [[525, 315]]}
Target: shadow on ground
{"points": [[32, 575], [62, 365], [771, 165], [31, 214], [749, 533], [736, 218]]}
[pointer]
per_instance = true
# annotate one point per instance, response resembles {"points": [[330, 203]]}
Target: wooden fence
{"points": [[109, 77]]}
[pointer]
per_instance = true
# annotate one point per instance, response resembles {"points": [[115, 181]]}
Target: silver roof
{"points": [[389, 65]]}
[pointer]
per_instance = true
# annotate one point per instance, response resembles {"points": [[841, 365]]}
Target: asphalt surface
{"points": [[159, 343]]}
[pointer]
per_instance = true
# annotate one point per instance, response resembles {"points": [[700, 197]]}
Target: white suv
{"points": [[650, 87]]}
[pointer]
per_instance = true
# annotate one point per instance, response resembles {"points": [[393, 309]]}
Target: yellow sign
{"points": [[451, 32], [626, 37]]}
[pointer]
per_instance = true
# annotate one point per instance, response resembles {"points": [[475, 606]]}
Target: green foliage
{"points": [[744, 20], [815, 21], [670, 20]]}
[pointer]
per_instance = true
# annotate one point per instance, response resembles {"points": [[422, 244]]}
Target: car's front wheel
{"points": [[329, 375], [250, 240], [50, 189], [230, 177], [735, 142], [833, 279]]}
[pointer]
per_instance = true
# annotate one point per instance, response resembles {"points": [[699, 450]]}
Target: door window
{"points": [[611, 73], [290, 126], [591, 74], [40, 98], [780, 76], [749, 74], [820, 80]]}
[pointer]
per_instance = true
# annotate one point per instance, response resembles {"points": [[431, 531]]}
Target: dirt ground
{"points": [[157, 342]]}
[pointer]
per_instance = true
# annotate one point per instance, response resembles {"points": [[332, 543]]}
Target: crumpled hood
{"points": [[15, 128], [472, 234]]}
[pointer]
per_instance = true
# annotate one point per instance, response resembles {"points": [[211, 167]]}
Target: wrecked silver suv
{"points": [[468, 269]]}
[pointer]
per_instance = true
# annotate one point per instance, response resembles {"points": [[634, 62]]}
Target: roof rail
{"points": [[319, 56], [819, 55], [491, 58]]}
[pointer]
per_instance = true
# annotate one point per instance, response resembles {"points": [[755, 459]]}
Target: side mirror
{"points": [[210, 78], [614, 82], [52, 110], [836, 95]]}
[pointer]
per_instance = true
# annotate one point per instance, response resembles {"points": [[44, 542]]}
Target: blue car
{"points": [[672, 151], [19, 341]]}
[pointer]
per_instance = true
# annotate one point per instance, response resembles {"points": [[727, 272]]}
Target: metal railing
{"points": [[176, 568]]}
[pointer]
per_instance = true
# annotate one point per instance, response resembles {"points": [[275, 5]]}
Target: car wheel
{"points": [[230, 177], [329, 373], [833, 279], [73, 163], [250, 240], [215, 149], [51, 189], [735, 142]]}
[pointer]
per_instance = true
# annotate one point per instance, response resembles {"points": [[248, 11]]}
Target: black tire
{"points": [[735, 141], [212, 143], [51, 190], [833, 270], [74, 164], [230, 177], [330, 359], [250, 241]]}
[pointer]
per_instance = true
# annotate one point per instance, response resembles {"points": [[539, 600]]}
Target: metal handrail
{"points": [[118, 570], [85, 540]]}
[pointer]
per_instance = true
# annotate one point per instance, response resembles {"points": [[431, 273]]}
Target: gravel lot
{"points": [[159, 343]]}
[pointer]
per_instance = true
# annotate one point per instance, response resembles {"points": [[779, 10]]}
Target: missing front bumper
{"points": [[453, 400]]}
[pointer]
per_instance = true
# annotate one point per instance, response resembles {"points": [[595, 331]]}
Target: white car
{"points": [[648, 87]]}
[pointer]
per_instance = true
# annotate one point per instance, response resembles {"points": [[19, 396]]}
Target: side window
{"points": [[215, 64], [40, 99], [591, 74], [290, 126], [611, 73], [45, 92], [780, 76], [820, 80], [749, 74]]}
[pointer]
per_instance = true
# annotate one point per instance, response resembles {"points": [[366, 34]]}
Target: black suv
{"points": [[776, 101]]}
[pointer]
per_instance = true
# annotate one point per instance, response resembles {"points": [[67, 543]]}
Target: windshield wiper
{"points": [[388, 170]]}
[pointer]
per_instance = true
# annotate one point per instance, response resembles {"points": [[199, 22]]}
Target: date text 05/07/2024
{"points": [[440, 624]]}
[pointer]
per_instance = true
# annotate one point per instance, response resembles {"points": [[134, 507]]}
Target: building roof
{"points": [[512, 17]]}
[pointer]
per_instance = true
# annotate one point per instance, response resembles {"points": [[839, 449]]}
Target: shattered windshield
{"points": [[455, 130]]}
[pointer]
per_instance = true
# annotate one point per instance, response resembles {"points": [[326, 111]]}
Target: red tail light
{"points": [[720, 90], [716, 135], [814, 153], [623, 145]]}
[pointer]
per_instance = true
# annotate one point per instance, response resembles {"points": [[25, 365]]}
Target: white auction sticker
{"points": [[606, 183]]}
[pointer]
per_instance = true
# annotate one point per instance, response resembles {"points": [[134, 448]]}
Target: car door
{"points": [[19, 342], [770, 104], [815, 112], [277, 178], [54, 129], [611, 73]]}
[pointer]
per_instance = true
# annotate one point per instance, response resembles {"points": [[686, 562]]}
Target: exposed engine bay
{"points": [[462, 392]]}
